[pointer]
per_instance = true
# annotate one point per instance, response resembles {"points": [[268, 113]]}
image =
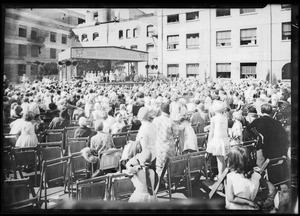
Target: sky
{"points": [[83, 10]]}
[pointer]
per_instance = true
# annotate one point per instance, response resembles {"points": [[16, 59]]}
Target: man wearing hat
{"points": [[147, 133], [165, 141]]}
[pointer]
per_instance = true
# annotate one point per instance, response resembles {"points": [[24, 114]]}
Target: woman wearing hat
{"points": [[83, 130]]}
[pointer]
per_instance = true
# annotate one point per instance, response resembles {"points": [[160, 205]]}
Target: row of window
{"points": [[174, 18], [35, 34], [223, 70], [223, 38], [35, 51]]}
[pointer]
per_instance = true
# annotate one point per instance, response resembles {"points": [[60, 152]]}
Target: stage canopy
{"points": [[103, 53]]}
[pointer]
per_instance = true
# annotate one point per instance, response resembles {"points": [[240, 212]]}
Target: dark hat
{"points": [[252, 109], [165, 107], [52, 106]]}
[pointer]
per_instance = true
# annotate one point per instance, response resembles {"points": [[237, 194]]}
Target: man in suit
{"points": [[275, 139]]}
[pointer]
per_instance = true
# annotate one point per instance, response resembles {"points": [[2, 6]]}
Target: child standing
{"points": [[218, 139], [242, 182], [143, 178]]}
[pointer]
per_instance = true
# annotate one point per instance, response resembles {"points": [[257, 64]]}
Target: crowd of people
{"points": [[163, 111]]}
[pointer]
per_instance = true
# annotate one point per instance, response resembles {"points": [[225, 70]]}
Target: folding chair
{"points": [[278, 171], [126, 128], [77, 144], [10, 139], [7, 161], [120, 186], [55, 135], [49, 151], [177, 172], [54, 177], [19, 195], [92, 189], [79, 169], [120, 140], [201, 141], [69, 133], [161, 181], [110, 159], [196, 163], [6, 128], [73, 123], [132, 134], [23, 157]]}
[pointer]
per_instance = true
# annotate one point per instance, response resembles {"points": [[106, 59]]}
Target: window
{"points": [[21, 69], [22, 31], [95, 15], [192, 70], [223, 12], [64, 39], [150, 47], [286, 6], [52, 53], [173, 70], [34, 70], [173, 18], [134, 47], [84, 38], [121, 34], [286, 31], [62, 50], [80, 21], [22, 50], [248, 36], [192, 41], [172, 42], [192, 15], [286, 71], [34, 33], [248, 70], [128, 33], [223, 70], [95, 36], [34, 51], [52, 36], [247, 10], [135, 33], [149, 30], [223, 38]]}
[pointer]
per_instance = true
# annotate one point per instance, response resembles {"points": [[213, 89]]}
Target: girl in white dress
{"points": [[136, 166], [218, 139], [28, 137], [242, 181]]}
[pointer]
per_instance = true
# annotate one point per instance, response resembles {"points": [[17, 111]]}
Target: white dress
{"points": [[190, 138], [242, 187], [141, 193], [28, 137], [218, 139]]}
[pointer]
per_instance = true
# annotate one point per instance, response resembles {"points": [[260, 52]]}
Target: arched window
{"points": [[149, 47], [286, 71], [84, 37], [149, 30], [128, 33], [95, 35]]}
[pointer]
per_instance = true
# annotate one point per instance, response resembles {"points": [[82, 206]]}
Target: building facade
{"points": [[126, 28], [226, 43], [34, 37]]}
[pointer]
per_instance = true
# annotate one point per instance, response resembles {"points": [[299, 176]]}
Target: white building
{"points": [[228, 43]]}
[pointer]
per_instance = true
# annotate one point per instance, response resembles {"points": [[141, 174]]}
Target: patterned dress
{"points": [[165, 142]]}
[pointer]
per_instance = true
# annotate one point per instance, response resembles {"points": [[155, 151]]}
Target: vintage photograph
{"points": [[150, 109]]}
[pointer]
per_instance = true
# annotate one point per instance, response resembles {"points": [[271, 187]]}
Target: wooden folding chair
{"points": [[7, 160], [121, 186], [110, 160], [92, 189], [54, 177], [79, 169], [49, 151], [19, 195], [55, 135], [69, 133], [196, 165], [161, 181], [195, 127], [132, 134], [6, 128], [201, 141], [23, 157], [77, 144], [120, 140], [10, 139], [278, 171], [177, 172]]}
